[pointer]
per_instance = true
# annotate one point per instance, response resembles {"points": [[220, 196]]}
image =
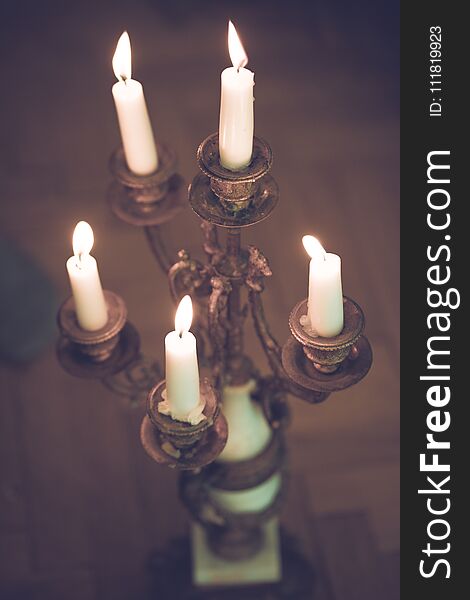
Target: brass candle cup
{"points": [[179, 444], [99, 353], [233, 198], [327, 364], [146, 200]]}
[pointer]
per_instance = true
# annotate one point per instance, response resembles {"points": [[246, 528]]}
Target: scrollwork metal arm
{"points": [[154, 238]]}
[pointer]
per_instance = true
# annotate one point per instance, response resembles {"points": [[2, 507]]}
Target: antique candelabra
{"points": [[307, 367]]}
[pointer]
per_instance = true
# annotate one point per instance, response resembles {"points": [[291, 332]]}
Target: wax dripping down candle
{"points": [[182, 398], [236, 108], [325, 295], [90, 305], [134, 122]]}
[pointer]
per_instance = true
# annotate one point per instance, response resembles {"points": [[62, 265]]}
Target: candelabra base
{"points": [[287, 573], [212, 570]]}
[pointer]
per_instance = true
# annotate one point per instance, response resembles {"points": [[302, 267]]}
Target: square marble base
{"points": [[210, 570]]}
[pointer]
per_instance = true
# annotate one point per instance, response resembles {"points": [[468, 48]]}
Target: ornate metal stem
{"points": [[239, 368]]}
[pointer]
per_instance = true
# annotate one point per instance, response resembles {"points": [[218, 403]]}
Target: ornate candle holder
{"points": [[146, 200], [306, 367], [233, 198], [327, 364], [178, 444], [100, 353]]}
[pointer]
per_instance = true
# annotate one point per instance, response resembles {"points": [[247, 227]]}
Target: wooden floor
{"points": [[81, 505]]}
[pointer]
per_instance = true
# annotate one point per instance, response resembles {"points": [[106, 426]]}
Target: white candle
{"points": [[90, 305], [325, 294], [236, 108], [182, 370], [134, 122]]}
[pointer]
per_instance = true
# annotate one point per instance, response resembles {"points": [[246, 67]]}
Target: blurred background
{"points": [[81, 505]]}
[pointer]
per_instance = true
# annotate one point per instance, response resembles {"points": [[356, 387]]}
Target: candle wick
{"points": [[181, 334], [124, 78]]}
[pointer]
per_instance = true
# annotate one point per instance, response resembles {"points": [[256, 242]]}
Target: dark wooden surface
{"points": [[81, 505]]}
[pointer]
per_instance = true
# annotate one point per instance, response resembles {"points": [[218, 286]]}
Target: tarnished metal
{"points": [[235, 535], [234, 188], [211, 244], [305, 375], [135, 380], [309, 368], [182, 445], [188, 276], [327, 364], [218, 326], [248, 473], [96, 354], [327, 353], [233, 198], [279, 383], [149, 199], [208, 206]]}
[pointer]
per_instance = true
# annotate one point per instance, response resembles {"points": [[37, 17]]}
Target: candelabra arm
{"points": [[185, 276], [273, 352], [258, 269], [135, 380], [188, 276], [157, 246], [270, 346]]}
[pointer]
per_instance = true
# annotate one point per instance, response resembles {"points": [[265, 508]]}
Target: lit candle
{"points": [[325, 295], [182, 399], [90, 305], [236, 108], [134, 122]]}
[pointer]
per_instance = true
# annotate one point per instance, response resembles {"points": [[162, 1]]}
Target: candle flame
{"points": [[83, 239], [122, 59], [184, 315], [235, 48], [313, 247]]}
